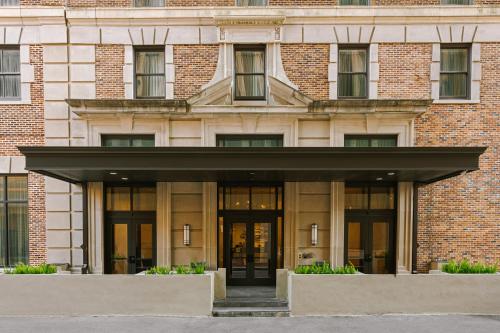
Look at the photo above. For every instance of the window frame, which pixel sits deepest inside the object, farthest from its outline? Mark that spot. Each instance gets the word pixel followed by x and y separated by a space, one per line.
pixel 3 4
pixel 4 74
pixel 250 137
pixel 130 137
pixel 364 47
pixel 367 4
pixel 149 49
pixel 5 201
pixel 159 6
pixel 370 138
pixel 467 47
pixel 237 5
pixel 249 47
pixel 443 2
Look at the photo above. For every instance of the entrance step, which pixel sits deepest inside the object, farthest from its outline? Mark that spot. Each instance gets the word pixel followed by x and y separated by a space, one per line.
pixel 240 311
pixel 246 302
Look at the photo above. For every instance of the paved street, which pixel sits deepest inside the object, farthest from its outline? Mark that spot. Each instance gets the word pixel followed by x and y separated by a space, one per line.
pixel 365 324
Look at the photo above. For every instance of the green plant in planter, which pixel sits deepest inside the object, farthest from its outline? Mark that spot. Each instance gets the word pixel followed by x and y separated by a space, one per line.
pixel 198 267
pixel 158 270
pixel 27 269
pixel 465 267
pixel 183 269
pixel 325 268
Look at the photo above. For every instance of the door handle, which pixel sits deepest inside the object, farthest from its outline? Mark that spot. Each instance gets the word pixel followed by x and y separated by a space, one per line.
pixel 131 259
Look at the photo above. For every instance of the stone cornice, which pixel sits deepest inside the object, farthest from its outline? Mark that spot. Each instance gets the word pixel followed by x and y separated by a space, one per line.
pixel 293 15
pixel 249 20
pixel 31 15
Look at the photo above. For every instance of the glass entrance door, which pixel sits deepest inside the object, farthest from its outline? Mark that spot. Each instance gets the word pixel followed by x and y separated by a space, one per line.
pixel 130 229
pixel 249 251
pixel 369 243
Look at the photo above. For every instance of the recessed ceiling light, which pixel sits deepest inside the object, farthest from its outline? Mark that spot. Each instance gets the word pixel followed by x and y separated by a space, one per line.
pixel 391 173
pixel 124 178
pixel 380 178
pixel 113 173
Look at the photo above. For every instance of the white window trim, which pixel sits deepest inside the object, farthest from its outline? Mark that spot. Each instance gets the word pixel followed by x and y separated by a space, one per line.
pixel 373 71
pixel 27 77
pixel 474 76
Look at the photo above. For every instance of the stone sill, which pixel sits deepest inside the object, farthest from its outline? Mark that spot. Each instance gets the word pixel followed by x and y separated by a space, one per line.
pixel 456 101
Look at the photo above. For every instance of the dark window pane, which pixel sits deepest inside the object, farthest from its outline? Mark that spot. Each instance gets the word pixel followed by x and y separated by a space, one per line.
pixel 150 86
pixel 356 198
pixel 3 236
pixel 9 2
pixel 456 2
pixel 249 62
pixel 249 141
pixel 453 85
pixel 120 140
pixel 352 85
pixel 264 197
pixel 144 199
pixel 149 3
pixel 17 188
pixel 352 61
pixel 384 142
pixel 237 198
pixel 251 2
pixel 382 197
pixel 354 2
pixel 2 186
pixel 370 141
pixel 250 86
pixel 454 60
pixel 143 142
pixel 18 232
pixel 150 62
pixel 118 199
pixel 357 142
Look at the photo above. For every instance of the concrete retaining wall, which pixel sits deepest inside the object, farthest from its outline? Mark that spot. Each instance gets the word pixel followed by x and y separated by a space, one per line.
pixel 181 295
pixel 380 294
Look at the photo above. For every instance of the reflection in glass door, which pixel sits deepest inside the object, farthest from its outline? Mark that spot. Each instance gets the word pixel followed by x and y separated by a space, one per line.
pixel 239 265
pixel 262 250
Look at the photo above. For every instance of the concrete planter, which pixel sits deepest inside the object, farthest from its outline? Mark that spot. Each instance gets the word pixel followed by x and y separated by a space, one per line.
pixel 381 294
pixel 179 295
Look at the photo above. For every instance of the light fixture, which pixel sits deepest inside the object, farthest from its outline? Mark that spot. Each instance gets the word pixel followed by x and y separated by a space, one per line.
pixel 124 178
pixel 391 173
pixel 314 234
pixel 113 173
pixel 380 178
pixel 187 234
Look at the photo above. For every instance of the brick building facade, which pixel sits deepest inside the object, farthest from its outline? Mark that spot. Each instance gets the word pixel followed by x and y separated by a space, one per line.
pixel 82 78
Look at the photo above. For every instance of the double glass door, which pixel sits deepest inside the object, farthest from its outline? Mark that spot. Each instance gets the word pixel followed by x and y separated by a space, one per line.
pixel 250 256
pixel 369 244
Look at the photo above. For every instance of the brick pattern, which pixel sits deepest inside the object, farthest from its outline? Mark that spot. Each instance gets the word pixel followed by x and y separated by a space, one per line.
pixel 194 66
pixel 404 71
pixel 41 2
pixel 100 3
pixel 306 65
pixel 458 218
pixel 23 125
pixel 109 71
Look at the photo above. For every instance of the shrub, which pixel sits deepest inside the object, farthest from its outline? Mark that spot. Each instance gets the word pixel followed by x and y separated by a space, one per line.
pixel 158 270
pixel 198 267
pixel 325 268
pixel 183 269
pixel 27 269
pixel 465 267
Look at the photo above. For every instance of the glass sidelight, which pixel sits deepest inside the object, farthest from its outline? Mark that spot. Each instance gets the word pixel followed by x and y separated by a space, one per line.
pixel 239 265
pixel 130 229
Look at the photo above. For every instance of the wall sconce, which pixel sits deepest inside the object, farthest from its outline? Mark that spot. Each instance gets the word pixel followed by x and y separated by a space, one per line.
pixel 314 234
pixel 187 234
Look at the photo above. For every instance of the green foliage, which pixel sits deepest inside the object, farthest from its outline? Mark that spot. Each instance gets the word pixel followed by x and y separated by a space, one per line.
pixel 198 267
pixel 27 269
pixel 465 267
pixel 183 269
pixel 325 268
pixel 158 270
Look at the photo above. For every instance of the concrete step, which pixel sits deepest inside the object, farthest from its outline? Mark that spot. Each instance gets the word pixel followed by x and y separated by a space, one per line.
pixel 251 312
pixel 251 302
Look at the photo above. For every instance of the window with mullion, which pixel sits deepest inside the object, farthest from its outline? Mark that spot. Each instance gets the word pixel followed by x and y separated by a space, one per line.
pixel 354 2
pixel 454 72
pixel 125 140
pixel 457 2
pixel 149 3
pixel 352 73
pixel 10 73
pixel 244 3
pixel 250 73
pixel 13 220
pixel 150 73
pixel 9 2
pixel 361 141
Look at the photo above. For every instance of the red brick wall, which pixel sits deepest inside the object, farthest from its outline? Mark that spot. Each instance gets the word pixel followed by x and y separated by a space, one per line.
pixel 23 125
pixel 194 66
pixel 404 71
pixel 459 218
pixel 306 65
pixel 100 3
pixel 109 71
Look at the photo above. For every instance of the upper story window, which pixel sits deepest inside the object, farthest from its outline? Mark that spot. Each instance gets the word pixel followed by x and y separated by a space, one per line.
pixel 9 2
pixel 251 3
pixel 454 72
pixel 13 220
pixel 150 73
pixel 250 72
pixel 370 141
pixel 10 73
pixel 243 140
pixel 353 72
pixel 354 2
pixel 125 140
pixel 457 2
pixel 149 3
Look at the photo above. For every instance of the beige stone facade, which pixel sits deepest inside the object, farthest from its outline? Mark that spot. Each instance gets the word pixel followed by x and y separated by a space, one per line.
pixel 80 52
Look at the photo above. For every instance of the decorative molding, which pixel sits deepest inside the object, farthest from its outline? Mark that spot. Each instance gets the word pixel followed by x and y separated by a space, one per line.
pixel 249 20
